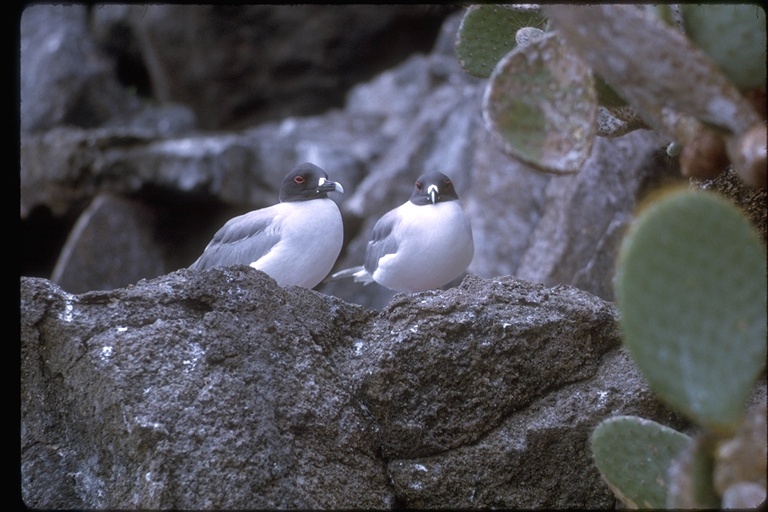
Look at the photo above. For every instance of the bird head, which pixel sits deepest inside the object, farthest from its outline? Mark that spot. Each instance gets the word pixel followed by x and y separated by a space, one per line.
pixel 307 181
pixel 433 187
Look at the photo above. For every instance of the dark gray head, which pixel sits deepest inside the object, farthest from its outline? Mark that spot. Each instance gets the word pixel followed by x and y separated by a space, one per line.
pixel 307 181
pixel 433 187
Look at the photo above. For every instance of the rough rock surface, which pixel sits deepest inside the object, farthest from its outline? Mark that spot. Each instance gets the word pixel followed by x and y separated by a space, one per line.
pixel 197 390
pixel 218 389
pixel 493 347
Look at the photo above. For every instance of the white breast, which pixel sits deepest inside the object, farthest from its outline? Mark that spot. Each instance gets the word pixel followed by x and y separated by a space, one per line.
pixel 311 235
pixel 436 247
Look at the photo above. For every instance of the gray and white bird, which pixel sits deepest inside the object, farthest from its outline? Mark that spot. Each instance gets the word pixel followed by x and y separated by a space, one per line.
pixel 295 241
pixel 422 244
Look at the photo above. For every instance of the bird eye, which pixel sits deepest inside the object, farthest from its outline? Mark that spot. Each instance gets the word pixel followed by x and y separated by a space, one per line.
pixel 419 185
pixel 299 180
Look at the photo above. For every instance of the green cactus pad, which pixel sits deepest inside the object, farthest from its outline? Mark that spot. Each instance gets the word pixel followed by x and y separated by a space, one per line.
pixel 633 455
pixel 541 104
pixel 487 33
pixel 734 36
pixel 691 290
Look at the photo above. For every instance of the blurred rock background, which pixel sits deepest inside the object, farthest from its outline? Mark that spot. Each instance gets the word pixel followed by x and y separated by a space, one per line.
pixel 104 88
pixel 144 128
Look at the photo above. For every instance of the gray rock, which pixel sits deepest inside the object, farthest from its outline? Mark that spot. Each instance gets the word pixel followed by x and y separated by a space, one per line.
pixel 64 78
pixel 511 466
pixel 219 389
pixel 577 239
pixel 239 65
pixel 476 353
pixel 196 391
pixel 110 226
pixel 505 204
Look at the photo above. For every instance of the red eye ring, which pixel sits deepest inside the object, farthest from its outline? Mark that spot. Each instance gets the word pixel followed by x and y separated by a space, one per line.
pixel 419 186
pixel 299 180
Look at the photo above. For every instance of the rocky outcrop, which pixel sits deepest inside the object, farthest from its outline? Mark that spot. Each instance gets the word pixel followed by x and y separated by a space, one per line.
pixel 219 389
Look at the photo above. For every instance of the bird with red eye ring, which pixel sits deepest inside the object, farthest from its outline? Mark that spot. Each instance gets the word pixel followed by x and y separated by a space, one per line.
pixel 295 241
pixel 422 244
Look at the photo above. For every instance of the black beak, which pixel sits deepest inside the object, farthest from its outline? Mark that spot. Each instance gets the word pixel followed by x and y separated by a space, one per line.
pixel 329 186
pixel 433 192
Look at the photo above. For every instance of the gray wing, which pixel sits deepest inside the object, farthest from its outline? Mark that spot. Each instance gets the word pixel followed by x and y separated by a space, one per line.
pixel 381 242
pixel 242 240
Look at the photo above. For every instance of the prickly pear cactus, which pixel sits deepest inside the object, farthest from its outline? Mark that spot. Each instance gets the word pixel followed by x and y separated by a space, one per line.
pixel 633 455
pixel 691 291
pixel 487 33
pixel 697 91
pixel 652 65
pixel 690 288
pixel 541 104
pixel 734 37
